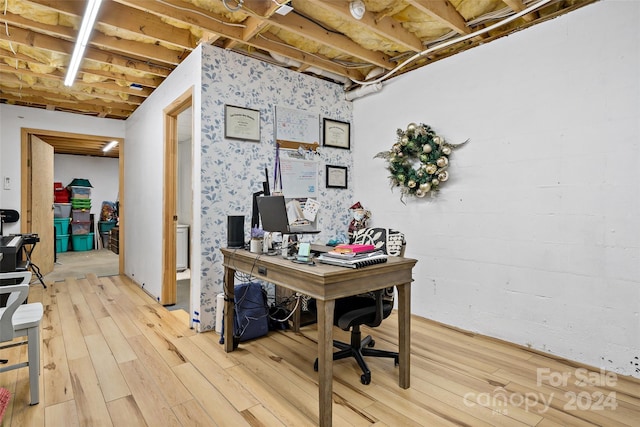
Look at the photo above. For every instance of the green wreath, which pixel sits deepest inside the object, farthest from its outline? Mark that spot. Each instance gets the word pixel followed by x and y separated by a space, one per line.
pixel 418 161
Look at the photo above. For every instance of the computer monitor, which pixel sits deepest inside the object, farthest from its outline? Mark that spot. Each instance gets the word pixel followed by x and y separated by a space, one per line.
pixel 273 212
pixel 255 216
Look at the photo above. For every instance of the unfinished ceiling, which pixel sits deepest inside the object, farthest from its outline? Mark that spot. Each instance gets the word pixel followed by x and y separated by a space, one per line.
pixel 137 43
pixel 77 144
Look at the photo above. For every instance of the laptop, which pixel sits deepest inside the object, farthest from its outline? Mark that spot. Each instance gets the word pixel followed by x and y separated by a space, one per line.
pixel 273 212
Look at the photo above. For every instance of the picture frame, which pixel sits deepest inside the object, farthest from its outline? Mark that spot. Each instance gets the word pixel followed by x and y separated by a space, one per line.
pixel 336 176
pixel 336 134
pixel 241 123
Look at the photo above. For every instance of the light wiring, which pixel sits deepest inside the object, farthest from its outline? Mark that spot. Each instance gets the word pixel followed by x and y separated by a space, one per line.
pixel 295 48
pixel 186 9
pixel 6 29
pixel 295 308
pixel 453 41
pixel 249 277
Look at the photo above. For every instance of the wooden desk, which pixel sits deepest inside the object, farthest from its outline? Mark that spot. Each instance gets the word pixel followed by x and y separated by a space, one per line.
pixel 325 283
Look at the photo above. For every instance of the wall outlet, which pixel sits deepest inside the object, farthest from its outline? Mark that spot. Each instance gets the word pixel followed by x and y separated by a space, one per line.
pixel 7 183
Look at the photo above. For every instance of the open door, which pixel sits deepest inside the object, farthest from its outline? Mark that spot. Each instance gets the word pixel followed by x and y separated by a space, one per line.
pixel 169 291
pixel 37 206
pixel 37 175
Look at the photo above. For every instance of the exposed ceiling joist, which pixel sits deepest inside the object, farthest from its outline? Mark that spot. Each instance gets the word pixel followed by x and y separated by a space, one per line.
pixel 136 44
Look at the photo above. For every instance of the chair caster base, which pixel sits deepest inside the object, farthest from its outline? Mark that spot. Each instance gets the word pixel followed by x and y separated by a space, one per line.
pixel 365 379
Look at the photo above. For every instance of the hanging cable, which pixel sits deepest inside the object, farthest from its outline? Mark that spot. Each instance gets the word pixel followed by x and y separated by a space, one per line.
pixel 453 41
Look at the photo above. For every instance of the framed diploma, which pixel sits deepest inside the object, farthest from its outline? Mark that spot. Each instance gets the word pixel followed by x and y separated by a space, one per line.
pixel 336 176
pixel 241 123
pixel 336 134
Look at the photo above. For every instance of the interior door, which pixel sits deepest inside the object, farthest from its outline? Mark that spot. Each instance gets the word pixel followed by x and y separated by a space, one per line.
pixel 170 214
pixel 40 212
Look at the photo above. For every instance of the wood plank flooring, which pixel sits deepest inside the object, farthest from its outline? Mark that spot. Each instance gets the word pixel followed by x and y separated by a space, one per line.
pixel 111 356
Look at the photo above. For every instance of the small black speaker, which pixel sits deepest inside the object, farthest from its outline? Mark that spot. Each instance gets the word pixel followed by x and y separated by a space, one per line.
pixel 235 231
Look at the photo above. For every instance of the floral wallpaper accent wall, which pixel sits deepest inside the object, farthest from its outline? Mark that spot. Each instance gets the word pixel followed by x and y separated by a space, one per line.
pixel 231 170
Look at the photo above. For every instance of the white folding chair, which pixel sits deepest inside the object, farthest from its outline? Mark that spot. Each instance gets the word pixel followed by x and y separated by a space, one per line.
pixel 22 320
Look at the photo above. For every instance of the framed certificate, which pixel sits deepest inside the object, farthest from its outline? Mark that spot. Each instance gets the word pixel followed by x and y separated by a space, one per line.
pixel 241 123
pixel 336 134
pixel 336 176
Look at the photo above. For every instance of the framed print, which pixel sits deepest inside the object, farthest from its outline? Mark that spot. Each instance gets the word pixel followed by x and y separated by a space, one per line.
pixel 336 176
pixel 336 134
pixel 241 123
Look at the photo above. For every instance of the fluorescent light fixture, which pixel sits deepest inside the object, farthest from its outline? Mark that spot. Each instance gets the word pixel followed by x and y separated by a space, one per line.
pixel 109 146
pixel 89 18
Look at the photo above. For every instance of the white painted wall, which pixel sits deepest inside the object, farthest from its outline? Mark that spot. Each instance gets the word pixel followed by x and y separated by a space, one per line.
pixel 144 176
pixel 102 173
pixel 535 238
pixel 13 119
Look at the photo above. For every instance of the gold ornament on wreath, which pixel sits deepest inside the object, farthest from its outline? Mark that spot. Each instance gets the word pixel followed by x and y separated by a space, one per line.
pixel 418 161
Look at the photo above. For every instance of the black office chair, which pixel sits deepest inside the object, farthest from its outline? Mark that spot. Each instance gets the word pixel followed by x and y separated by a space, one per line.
pixel 367 309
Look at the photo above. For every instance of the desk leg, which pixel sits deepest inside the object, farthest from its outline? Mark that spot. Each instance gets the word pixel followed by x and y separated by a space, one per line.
pixel 404 334
pixel 228 308
pixel 325 360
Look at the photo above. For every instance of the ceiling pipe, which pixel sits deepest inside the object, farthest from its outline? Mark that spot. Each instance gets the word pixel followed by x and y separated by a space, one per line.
pixel 285 60
pixel 362 91
pixel 315 70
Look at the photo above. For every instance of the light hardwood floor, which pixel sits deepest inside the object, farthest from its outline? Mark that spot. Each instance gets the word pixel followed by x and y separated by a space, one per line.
pixel 113 356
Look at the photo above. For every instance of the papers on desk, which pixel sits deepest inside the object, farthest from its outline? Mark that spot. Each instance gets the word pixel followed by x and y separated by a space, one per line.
pixel 352 260
pixel 354 248
pixel 310 210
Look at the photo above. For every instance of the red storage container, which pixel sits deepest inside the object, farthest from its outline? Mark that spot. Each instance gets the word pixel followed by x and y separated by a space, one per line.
pixel 61 195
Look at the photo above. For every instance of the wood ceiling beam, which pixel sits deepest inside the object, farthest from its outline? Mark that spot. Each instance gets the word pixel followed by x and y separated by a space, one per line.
pixel 270 43
pixel 518 6
pixel 75 91
pixel 444 12
pixel 92 145
pixel 309 30
pixel 208 38
pixel 122 17
pixel 386 26
pixel 189 14
pixel 52 44
pixel 84 107
pixel 235 33
pixel 148 82
pixel 127 78
pixel 80 147
pixel 253 26
pixel 59 76
pixel 143 51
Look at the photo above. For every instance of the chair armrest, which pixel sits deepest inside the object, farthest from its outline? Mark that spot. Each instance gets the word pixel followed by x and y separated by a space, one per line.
pixel 24 275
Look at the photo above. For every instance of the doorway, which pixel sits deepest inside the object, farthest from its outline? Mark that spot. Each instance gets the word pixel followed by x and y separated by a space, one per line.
pixel 184 204
pixel 178 200
pixel 35 193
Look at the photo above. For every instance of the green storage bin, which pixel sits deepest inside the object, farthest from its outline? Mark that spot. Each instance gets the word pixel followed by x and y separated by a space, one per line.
pixel 62 243
pixel 61 225
pixel 81 203
pixel 82 242
pixel 106 226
